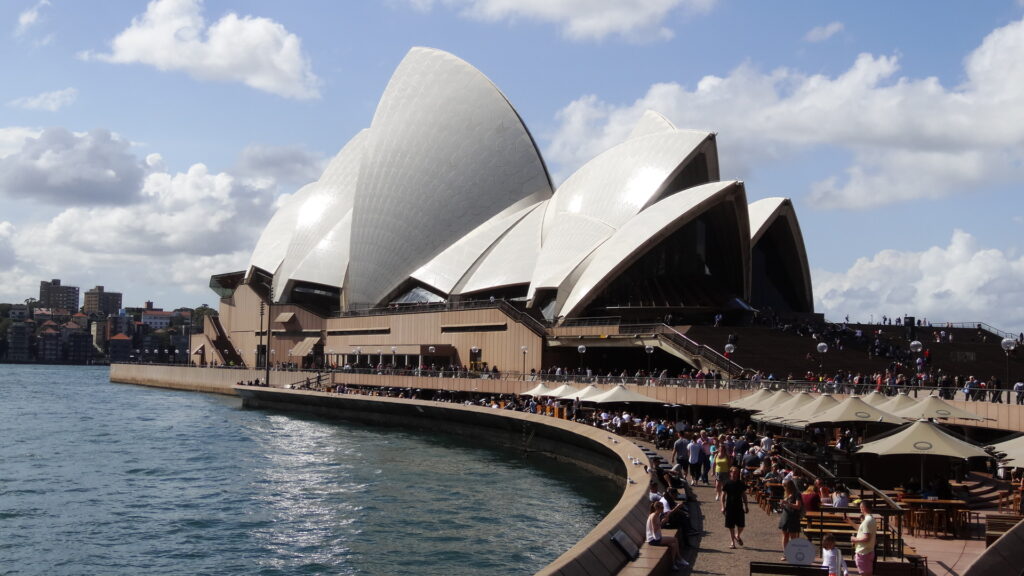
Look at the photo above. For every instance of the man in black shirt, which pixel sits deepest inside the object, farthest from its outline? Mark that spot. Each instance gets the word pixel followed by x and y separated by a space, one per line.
pixel 735 506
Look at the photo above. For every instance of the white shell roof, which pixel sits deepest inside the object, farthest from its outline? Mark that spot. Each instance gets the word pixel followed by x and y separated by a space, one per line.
pixel 642 233
pixel 651 123
pixel 322 208
pixel 273 243
pixel 763 214
pixel 447 187
pixel 446 153
pixel 605 193
pixel 511 260
pixel 448 267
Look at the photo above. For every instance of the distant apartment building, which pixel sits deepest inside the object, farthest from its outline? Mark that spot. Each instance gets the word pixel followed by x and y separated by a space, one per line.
pixel 99 301
pixel 77 349
pixel 58 315
pixel 18 312
pixel 48 346
pixel 53 295
pixel 157 319
pixel 19 341
pixel 120 349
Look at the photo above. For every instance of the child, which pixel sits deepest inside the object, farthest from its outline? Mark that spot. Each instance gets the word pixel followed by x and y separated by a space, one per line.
pixel 832 557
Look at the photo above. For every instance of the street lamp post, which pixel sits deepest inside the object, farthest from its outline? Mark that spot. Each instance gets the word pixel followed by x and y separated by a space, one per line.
pixel 649 350
pixel 916 347
pixel 1008 345
pixel 582 350
pixel 822 349
pixel 524 350
pixel 730 349
pixel 257 361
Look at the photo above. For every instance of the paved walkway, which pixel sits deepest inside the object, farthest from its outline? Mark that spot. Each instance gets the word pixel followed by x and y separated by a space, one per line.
pixel 710 552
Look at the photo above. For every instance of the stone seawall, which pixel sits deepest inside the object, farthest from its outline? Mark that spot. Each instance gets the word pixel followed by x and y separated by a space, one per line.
pixel 594 449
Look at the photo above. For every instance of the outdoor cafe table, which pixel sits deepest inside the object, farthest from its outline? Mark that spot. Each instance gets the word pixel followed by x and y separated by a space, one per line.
pixel 947 507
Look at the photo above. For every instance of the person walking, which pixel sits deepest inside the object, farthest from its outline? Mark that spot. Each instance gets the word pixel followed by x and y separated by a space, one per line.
pixel 735 506
pixel 720 465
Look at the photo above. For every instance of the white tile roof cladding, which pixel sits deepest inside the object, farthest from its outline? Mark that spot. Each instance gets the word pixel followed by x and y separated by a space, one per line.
pixel 447 187
pixel 447 152
pixel 325 206
pixel 638 235
pixel 604 194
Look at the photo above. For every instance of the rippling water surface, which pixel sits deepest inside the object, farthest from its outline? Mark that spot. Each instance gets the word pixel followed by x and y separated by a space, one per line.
pixel 101 478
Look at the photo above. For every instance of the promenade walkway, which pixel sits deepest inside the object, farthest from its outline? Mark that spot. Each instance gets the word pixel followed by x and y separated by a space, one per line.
pixel 710 553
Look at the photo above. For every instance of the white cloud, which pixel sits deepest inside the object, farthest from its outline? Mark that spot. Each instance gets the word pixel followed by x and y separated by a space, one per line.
pixel 908 138
pixel 259 52
pixel 59 167
pixel 173 232
pixel 290 167
pixel 13 139
pixel 581 19
pixel 48 101
pixel 961 282
pixel 30 17
pixel 822 33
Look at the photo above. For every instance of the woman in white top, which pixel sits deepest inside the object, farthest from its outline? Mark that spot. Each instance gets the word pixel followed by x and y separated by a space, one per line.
pixel 654 537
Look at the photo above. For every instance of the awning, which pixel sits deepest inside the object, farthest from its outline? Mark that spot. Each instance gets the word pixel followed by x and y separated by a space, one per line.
pixel 199 349
pixel 285 317
pixel 305 347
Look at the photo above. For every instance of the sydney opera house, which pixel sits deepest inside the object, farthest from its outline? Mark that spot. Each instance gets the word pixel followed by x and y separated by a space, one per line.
pixel 436 236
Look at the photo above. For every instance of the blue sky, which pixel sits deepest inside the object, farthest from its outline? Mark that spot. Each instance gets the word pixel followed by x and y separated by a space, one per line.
pixel 144 146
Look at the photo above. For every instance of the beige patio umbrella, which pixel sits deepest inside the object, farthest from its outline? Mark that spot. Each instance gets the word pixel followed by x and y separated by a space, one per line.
pixel 777 397
pixel 622 394
pixel 799 417
pixel 563 390
pixel 935 407
pixel 538 390
pixel 1014 450
pixel 853 409
pixel 923 437
pixel 749 402
pixel 897 403
pixel 585 394
pixel 780 411
pixel 875 398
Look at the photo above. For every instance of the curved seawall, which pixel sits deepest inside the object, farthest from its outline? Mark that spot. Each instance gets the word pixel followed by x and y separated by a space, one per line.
pixel 594 449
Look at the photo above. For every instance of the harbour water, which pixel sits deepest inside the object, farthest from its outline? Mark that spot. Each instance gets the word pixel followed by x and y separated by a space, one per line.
pixel 102 478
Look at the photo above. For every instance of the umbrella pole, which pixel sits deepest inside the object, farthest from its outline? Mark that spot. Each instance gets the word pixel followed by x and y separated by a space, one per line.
pixel 920 481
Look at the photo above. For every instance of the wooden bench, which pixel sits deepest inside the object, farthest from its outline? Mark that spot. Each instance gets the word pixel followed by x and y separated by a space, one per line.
pixel 757 568
pixel 652 560
pixel 998 524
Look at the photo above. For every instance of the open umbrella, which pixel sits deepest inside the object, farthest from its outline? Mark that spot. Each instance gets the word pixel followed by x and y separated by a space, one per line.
pixel 538 390
pixel 897 403
pixel 875 398
pixel 563 390
pixel 923 437
pixel 622 394
pixel 777 398
pixel 853 409
pixel 1014 450
pixel 799 417
pixel 780 411
pixel 935 407
pixel 586 394
pixel 748 402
